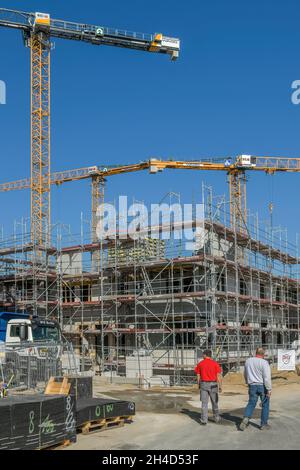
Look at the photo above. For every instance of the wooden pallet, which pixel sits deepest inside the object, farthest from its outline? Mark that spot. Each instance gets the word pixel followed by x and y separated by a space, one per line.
pixel 102 424
pixel 58 446
pixel 57 388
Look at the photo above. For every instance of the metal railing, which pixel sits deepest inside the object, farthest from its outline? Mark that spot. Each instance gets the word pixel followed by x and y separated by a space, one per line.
pixel 30 366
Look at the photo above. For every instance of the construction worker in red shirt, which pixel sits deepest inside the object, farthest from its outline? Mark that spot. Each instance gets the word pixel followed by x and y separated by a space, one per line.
pixel 209 378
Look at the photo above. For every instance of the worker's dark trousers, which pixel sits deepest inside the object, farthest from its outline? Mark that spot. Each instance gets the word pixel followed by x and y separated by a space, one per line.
pixel 209 390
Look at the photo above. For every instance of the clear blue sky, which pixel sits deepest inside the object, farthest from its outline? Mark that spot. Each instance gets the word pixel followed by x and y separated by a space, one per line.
pixel 229 93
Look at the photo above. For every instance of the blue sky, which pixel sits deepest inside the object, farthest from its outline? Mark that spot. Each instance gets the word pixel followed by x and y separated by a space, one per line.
pixel 229 93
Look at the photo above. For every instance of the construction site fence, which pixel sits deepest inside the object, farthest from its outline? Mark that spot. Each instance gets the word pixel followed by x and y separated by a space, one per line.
pixel 166 365
pixel 30 366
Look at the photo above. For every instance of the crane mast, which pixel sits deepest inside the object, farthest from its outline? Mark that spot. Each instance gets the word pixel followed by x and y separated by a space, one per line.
pixel 238 200
pixel 38 29
pixel 40 47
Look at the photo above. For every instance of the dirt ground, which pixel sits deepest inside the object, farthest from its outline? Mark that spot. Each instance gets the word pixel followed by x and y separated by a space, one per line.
pixel 168 419
pixel 278 378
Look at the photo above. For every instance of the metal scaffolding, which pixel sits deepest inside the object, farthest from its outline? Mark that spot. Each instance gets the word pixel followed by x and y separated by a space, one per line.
pixel 151 297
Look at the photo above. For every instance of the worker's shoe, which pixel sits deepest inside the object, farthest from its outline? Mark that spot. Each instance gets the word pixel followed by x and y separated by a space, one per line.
pixel 217 419
pixel 244 424
pixel 203 422
pixel 265 427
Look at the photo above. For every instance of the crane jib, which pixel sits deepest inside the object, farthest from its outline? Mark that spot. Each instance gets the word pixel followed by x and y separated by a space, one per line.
pixel 94 34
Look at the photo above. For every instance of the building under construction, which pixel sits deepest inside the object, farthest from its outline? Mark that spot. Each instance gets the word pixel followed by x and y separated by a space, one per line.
pixel 152 301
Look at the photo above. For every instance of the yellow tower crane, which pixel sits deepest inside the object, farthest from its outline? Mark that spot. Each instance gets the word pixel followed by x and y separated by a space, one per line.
pixel 37 29
pixel 236 169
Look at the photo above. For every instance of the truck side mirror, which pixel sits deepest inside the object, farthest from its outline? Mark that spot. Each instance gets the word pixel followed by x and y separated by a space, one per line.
pixel 23 333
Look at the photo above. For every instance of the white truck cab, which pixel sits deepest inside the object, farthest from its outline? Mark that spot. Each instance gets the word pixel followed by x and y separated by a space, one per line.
pixel 18 331
pixel 31 348
pixel 31 331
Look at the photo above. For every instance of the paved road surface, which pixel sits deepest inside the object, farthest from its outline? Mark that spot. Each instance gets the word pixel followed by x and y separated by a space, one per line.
pixel 181 430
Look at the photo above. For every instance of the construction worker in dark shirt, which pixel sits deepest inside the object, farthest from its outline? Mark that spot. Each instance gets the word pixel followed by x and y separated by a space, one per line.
pixel 209 378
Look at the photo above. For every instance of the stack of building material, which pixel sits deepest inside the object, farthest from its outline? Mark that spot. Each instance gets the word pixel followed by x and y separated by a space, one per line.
pixel 100 413
pixel 140 367
pixel 136 250
pixel 43 421
pixel 81 386
pixel 37 421
pixel 92 413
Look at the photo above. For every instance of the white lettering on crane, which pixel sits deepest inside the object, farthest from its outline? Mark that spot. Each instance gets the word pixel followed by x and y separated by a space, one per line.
pixel 2 92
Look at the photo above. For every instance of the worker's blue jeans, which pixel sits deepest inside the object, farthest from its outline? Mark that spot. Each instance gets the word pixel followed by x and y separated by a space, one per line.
pixel 255 392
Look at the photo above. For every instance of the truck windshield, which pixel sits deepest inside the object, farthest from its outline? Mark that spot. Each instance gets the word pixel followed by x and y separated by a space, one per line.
pixel 45 333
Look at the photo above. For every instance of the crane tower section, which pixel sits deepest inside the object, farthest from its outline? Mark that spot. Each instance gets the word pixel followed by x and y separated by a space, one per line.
pixel 40 46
